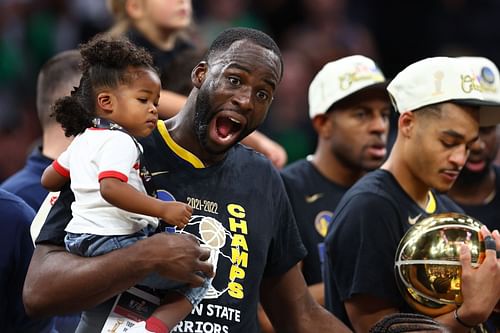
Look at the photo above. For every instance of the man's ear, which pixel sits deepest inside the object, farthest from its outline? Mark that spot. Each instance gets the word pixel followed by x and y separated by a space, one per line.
pixel 134 9
pixel 105 101
pixel 323 125
pixel 406 123
pixel 198 74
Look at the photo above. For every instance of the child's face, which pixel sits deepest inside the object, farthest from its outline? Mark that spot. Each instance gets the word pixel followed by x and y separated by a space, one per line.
pixel 136 103
pixel 168 14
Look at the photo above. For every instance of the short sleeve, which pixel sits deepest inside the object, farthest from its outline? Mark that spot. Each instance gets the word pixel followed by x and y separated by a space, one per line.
pixel 117 155
pixel 360 248
pixel 286 248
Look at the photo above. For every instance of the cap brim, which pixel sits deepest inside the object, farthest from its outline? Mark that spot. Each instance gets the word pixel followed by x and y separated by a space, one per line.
pixel 382 86
pixel 489 111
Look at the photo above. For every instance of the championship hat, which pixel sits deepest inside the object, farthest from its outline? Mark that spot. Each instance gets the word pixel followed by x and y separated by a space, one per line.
pixel 473 81
pixel 341 78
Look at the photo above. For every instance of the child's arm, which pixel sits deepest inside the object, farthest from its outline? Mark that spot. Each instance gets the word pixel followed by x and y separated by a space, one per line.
pixel 126 197
pixel 52 180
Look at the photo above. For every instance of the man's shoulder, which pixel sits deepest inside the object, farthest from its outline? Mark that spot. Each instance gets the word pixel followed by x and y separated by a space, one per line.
pixel 296 168
pixel 13 206
pixel 242 154
pixel 379 182
pixel 375 189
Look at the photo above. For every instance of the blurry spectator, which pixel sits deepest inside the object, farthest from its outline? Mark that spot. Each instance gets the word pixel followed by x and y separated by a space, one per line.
pixel 222 14
pixel 287 122
pixel 17 249
pixel 56 79
pixel 328 32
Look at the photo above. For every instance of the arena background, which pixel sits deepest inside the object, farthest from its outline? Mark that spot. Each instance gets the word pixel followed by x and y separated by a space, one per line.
pixel 309 32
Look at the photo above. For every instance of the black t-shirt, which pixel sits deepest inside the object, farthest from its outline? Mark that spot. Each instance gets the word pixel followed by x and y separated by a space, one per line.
pixel 488 213
pixel 313 198
pixel 241 212
pixel 361 244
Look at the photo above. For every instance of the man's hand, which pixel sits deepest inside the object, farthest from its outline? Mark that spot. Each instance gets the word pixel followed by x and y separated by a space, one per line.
pixel 480 285
pixel 177 257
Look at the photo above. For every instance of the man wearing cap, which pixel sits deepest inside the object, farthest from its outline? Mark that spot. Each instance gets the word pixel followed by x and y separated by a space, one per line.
pixel 349 109
pixel 441 102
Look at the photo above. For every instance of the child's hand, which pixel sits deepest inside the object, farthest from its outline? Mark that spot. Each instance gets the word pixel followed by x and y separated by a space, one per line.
pixel 176 213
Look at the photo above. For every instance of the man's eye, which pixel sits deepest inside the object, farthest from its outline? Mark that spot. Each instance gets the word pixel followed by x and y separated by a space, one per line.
pixel 448 144
pixel 360 113
pixel 234 80
pixel 262 95
pixel 143 100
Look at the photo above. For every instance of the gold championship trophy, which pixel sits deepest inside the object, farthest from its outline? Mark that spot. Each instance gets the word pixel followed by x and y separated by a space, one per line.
pixel 427 263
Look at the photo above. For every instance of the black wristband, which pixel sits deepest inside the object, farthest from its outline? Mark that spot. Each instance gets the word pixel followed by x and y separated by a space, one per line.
pixel 460 321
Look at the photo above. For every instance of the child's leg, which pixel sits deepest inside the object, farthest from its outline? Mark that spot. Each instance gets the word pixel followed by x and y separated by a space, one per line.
pixel 175 307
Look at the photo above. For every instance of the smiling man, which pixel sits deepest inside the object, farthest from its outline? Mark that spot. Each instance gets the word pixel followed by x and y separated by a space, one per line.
pixel 241 213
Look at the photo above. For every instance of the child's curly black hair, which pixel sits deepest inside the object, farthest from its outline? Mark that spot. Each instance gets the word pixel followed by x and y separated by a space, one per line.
pixel 105 63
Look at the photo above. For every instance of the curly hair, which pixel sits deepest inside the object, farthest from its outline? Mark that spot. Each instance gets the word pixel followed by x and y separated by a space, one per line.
pixel 105 64
pixel 407 322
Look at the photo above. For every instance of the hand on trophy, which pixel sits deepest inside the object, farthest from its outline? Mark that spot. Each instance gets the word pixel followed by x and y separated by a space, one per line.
pixel 480 286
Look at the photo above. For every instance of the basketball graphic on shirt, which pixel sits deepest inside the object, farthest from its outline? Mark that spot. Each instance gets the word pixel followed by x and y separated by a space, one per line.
pixel 212 233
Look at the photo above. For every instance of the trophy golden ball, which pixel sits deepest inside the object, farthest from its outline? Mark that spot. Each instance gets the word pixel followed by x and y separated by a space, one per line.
pixel 427 262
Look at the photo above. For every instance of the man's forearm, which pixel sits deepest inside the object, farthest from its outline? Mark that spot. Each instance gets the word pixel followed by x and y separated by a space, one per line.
pixel 59 282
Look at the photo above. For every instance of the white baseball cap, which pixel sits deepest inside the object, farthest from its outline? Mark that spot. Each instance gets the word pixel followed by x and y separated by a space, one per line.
pixel 464 80
pixel 341 78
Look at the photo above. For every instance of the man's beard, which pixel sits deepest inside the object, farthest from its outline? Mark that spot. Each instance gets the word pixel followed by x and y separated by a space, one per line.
pixel 201 122
pixel 470 178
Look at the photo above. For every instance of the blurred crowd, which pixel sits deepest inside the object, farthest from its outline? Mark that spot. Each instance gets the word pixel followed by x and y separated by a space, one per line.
pixel 309 33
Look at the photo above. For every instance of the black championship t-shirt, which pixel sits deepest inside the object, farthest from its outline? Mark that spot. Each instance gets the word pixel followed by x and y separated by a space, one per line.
pixel 313 198
pixel 242 213
pixel 361 244
pixel 489 212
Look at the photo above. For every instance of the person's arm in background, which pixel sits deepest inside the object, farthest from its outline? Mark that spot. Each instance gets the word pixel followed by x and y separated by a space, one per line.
pixel 291 308
pixel 170 103
pixel 59 282
pixel 271 149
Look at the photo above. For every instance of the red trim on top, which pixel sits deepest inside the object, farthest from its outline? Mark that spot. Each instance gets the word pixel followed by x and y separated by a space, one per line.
pixel 113 174
pixel 60 169
pixel 97 129
pixel 136 166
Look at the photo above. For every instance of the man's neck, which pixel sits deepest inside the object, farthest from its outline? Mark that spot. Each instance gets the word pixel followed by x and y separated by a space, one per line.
pixel 334 170
pixel 54 142
pixel 182 133
pixel 412 185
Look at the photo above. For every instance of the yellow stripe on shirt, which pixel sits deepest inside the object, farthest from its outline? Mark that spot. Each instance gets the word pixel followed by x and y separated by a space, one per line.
pixel 178 150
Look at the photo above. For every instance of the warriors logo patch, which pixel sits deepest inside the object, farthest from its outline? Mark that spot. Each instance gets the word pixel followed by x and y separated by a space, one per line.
pixel 322 221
